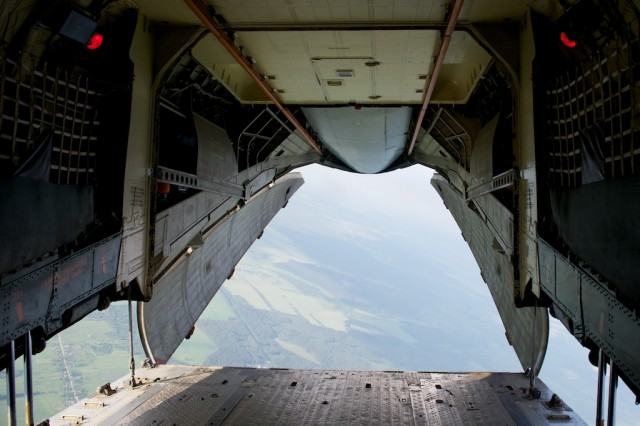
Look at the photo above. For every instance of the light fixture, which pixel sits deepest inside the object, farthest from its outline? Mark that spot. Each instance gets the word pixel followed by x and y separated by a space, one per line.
pixel 95 41
pixel 344 73
pixel 564 38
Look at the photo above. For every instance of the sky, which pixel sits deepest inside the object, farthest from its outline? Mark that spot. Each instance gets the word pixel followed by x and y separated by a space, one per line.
pixel 377 264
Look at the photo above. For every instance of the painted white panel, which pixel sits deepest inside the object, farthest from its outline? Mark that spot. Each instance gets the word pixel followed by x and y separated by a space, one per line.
pixel 368 139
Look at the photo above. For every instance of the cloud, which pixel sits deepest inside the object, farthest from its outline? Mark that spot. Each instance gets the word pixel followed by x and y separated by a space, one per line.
pixel 404 195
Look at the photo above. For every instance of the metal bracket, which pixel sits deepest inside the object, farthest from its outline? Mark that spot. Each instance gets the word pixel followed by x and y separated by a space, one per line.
pixel 503 180
pixel 176 177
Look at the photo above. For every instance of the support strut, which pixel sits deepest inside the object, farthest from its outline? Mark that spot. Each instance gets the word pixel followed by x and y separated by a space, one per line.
pixel 613 388
pixel 132 361
pixel 11 383
pixel 602 370
pixel 28 380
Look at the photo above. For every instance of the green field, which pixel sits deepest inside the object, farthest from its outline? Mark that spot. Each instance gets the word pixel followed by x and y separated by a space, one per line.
pixel 90 353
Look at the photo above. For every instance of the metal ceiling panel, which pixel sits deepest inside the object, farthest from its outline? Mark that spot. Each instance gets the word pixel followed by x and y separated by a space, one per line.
pixel 165 11
pixel 302 65
pixel 493 10
pixel 463 49
pixel 299 64
pixel 334 11
pixel 215 58
pixel 296 11
pixel 465 63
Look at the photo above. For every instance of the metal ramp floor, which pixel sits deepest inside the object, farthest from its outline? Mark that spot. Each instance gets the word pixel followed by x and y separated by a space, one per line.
pixel 185 395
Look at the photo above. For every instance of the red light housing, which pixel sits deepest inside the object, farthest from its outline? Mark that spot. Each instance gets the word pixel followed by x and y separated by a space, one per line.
pixel 564 38
pixel 95 41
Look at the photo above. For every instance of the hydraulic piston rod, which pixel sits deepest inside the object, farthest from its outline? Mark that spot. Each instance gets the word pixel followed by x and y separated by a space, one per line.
pixel 11 383
pixel 28 381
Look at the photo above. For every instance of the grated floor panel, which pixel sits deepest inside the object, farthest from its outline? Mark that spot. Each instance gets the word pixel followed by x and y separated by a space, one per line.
pixel 183 395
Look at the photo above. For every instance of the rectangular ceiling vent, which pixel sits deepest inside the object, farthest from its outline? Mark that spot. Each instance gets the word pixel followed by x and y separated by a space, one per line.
pixel 334 83
pixel 344 73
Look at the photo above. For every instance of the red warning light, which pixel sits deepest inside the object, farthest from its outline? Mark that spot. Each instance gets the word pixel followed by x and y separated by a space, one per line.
pixel 95 41
pixel 564 38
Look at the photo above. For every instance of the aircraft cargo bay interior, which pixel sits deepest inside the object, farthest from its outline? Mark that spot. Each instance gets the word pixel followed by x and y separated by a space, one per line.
pixel 145 145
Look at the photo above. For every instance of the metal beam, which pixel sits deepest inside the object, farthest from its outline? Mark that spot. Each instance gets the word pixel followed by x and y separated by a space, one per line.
pixel 503 180
pixel 176 177
pixel 433 77
pixel 202 12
